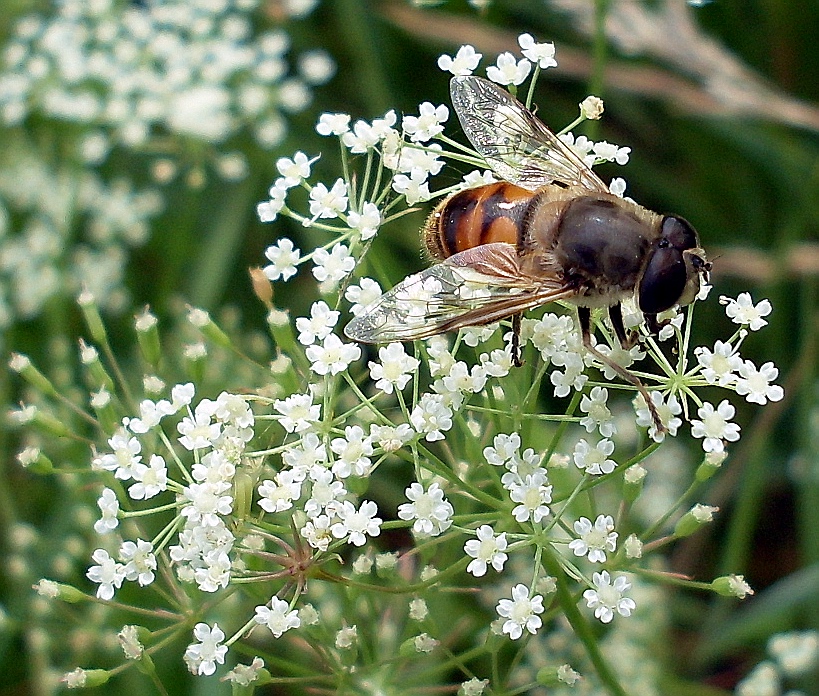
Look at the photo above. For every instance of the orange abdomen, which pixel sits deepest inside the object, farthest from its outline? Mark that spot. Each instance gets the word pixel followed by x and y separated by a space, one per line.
pixel 491 213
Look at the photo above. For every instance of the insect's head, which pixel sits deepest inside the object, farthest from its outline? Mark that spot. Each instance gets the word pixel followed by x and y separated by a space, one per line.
pixel 675 267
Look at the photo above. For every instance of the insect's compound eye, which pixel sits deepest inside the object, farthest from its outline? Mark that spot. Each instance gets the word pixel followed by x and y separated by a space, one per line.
pixel 663 281
pixel 678 233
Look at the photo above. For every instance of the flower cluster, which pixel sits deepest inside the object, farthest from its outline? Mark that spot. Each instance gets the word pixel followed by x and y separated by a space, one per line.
pixel 76 231
pixel 271 497
pixel 128 72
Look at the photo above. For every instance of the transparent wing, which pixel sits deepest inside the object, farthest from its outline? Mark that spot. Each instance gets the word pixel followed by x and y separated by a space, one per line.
pixel 514 142
pixel 474 287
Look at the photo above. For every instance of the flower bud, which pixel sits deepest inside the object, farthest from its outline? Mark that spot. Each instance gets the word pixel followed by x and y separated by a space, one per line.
pixel 732 586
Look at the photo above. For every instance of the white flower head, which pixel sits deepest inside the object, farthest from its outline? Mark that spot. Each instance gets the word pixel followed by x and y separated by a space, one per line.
pixel 431 512
pixel 521 612
pixel 332 355
pixel 332 266
pixel 755 384
pixel 202 657
pixel 508 70
pixel 541 53
pixel 395 369
pixel 594 459
pixel 427 124
pixel 356 524
pixel 487 549
pixel 608 597
pixel 594 540
pixel 278 617
pixel 464 63
pixel 283 257
pixel 714 426
pixel 743 311
pixel 367 221
pixel 328 203
pixel 319 325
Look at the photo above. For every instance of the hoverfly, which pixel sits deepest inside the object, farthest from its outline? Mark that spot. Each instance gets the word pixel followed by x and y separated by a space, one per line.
pixel 549 230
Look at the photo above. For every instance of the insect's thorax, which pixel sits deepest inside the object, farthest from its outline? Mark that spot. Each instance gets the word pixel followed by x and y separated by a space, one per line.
pixel 492 213
pixel 600 243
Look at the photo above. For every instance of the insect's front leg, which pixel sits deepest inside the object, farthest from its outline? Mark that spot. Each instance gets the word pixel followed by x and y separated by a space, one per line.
pixel 584 315
pixel 517 360
pixel 628 339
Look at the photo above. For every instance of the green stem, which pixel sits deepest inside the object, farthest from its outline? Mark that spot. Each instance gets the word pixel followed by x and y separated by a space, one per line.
pixel 581 626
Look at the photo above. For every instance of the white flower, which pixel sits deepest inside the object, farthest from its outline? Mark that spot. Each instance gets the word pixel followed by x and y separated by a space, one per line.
pixel 427 124
pixel 609 152
pixel 504 448
pixel 464 62
pixel 430 510
pixel 608 597
pixel 533 494
pixel 541 53
pixel 283 257
pixel 328 203
pixel 618 186
pixel 367 221
pixel 391 438
pixel 395 369
pixel 431 416
pixel 108 574
pixel 317 532
pixel 594 540
pixel 332 356
pixel 305 454
pixel 763 679
pixel 796 652
pixel 599 416
pixel 245 675
pixel 667 410
pixel 743 311
pixel 298 412
pixel 333 124
pixel 520 612
pixel 356 524
pixel 139 560
pixel 294 170
pixel 362 295
pixel 109 507
pixel 269 210
pixel 150 480
pixel 365 135
pixel 755 384
pixel 319 325
pixel 278 495
pixel 332 266
pixel 594 459
pixel 126 454
pixel 487 549
pixel 278 617
pixel 714 425
pixel 592 109
pixel 719 366
pixel 198 432
pixel 207 503
pixel 508 71
pixel 414 187
pixel 353 450
pixel 202 657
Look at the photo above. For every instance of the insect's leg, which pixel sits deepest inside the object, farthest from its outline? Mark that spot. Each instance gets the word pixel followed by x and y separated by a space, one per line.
pixel 584 315
pixel 517 360
pixel 627 338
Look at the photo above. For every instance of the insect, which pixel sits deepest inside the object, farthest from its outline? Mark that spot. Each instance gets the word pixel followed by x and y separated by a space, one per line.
pixel 549 230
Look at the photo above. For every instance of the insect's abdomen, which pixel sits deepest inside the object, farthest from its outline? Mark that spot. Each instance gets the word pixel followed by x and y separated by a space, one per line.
pixel 491 213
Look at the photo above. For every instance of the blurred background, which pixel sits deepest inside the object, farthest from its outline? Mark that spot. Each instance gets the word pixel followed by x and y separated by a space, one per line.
pixel 137 137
